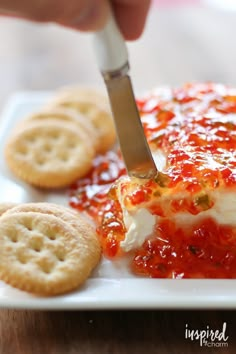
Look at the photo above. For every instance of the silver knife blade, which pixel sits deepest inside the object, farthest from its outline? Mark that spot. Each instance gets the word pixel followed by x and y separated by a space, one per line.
pixel 133 144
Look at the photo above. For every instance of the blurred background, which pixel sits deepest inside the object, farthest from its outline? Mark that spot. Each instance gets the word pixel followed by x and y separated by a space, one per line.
pixel 184 40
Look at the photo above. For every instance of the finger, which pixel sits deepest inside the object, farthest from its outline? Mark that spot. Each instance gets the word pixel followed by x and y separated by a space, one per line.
pixel 131 16
pixel 84 15
pixel 92 16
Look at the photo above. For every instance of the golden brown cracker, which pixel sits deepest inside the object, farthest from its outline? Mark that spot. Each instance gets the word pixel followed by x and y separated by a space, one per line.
pixel 84 92
pixel 49 154
pixel 82 226
pixel 65 115
pixel 42 254
pixel 6 206
pixel 94 106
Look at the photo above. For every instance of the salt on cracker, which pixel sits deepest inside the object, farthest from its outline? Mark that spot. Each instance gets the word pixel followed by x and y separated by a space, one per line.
pixel 49 154
pixel 42 254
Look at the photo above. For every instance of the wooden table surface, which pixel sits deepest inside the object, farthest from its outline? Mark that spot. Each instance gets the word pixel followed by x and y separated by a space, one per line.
pixel 179 45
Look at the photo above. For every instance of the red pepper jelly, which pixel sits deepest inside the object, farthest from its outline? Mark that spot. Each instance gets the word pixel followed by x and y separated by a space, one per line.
pixel 193 198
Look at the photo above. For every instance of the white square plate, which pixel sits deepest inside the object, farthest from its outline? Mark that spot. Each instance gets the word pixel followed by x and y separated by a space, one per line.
pixel 111 286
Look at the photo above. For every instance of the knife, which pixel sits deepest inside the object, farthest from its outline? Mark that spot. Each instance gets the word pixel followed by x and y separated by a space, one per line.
pixel 112 56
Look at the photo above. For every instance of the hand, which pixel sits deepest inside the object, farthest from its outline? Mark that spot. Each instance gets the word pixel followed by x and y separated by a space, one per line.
pixel 84 15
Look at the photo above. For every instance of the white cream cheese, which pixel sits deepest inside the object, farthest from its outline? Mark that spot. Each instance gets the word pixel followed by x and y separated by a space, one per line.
pixel 223 211
pixel 139 226
pixel 159 159
pixel 140 223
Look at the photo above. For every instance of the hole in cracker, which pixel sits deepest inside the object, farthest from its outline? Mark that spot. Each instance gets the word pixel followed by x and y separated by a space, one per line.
pixel 47 271
pixel 37 249
pixel 55 135
pixel 13 239
pixel 64 157
pixel 12 236
pixel 40 161
pixel 61 257
pixel 71 145
pixel 36 244
pixel 47 148
pixel 21 258
pixel 31 139
pixel 46 268
pixel 52 237
pixel 22 151
pixel 28 225
pixel 97 125
pixel 84 108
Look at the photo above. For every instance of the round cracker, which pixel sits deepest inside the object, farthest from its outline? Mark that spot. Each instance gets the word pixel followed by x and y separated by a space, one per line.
pixel 6 206
pixel 94 106
pixel 73 218
pixel 49 154
pixel 65 115
pixel 83 92
pixel 42 254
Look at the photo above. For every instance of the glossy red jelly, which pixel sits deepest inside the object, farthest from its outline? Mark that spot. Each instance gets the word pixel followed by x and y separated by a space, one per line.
pixel 195 128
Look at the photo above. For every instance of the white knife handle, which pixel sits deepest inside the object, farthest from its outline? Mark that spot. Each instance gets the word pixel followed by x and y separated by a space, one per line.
pixel 110 48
